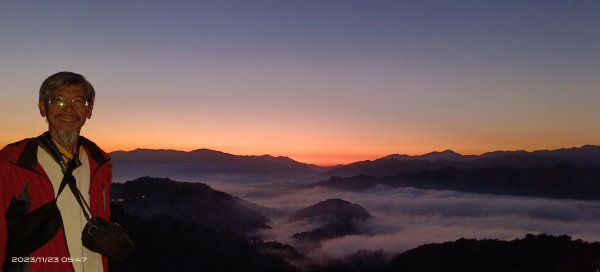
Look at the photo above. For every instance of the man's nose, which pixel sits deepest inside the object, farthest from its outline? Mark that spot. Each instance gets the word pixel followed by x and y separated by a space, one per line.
pixel 68 106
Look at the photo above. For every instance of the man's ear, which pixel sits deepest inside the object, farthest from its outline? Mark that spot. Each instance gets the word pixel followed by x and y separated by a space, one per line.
pixel 42 107
pixel 89 114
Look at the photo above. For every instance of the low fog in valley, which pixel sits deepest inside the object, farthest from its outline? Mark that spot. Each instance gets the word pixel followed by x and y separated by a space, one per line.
pixel 404 218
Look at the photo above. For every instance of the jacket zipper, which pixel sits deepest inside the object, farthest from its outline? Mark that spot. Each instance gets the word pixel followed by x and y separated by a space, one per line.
pixel 101 185
pixel 103 198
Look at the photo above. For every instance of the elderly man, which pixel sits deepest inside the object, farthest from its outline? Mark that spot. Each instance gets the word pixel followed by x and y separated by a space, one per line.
pixel 40 231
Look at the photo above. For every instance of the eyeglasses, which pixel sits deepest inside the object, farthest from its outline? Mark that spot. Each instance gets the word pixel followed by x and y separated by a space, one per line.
pixel 61 102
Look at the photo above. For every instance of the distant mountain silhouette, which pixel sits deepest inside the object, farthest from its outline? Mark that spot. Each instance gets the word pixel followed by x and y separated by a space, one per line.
pixel 382 168
pixel 561 181
pixel 356 183
pixel 190 202
pixel 211 165
pixel 203 164
pixel 338 216
pixel 587 156
pixel 447 155
pixel 164 243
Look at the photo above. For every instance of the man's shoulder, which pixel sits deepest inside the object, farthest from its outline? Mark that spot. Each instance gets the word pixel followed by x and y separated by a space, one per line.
pixel 10 149
pixel 17 143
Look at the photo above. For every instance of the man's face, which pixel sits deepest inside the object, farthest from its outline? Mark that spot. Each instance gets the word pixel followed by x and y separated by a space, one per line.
pixel 69 119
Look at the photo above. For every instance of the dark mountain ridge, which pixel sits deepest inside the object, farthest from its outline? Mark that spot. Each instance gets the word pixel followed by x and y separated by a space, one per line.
pixel 533 253
pixel 337 218
pixel 206 164
pixel 164 243
pixel 190 202
pixel 561 181
pixel 585 152
pixel 332 210
pixel 587 156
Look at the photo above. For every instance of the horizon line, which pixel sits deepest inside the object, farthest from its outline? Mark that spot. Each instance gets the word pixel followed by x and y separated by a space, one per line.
pixel 376 157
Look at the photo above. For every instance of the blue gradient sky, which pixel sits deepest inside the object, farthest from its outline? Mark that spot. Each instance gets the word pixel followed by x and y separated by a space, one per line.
pixel 319 81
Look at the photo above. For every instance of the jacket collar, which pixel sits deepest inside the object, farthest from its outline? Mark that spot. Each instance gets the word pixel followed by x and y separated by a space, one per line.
pixel 28 157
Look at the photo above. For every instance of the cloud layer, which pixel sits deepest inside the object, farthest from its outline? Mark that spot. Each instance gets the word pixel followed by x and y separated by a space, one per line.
pixel 404 218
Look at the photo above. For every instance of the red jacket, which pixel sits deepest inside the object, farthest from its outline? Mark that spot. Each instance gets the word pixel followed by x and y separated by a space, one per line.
pixel 19 166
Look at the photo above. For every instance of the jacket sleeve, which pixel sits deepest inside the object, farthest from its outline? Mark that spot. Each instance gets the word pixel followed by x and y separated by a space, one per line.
pixel 7 192
pixel 4 199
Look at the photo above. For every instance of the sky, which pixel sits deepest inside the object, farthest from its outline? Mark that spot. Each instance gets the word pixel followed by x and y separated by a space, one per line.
pixel 320 81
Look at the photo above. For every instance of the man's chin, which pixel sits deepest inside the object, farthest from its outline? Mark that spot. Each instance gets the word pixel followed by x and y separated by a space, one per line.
pixel 67 137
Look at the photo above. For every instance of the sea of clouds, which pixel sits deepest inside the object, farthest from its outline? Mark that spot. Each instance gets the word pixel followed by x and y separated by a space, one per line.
pixel 404 218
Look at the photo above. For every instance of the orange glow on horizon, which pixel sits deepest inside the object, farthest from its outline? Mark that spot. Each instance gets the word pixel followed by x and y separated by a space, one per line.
pixel 323 157
pixel 321 147
pixel 333 158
